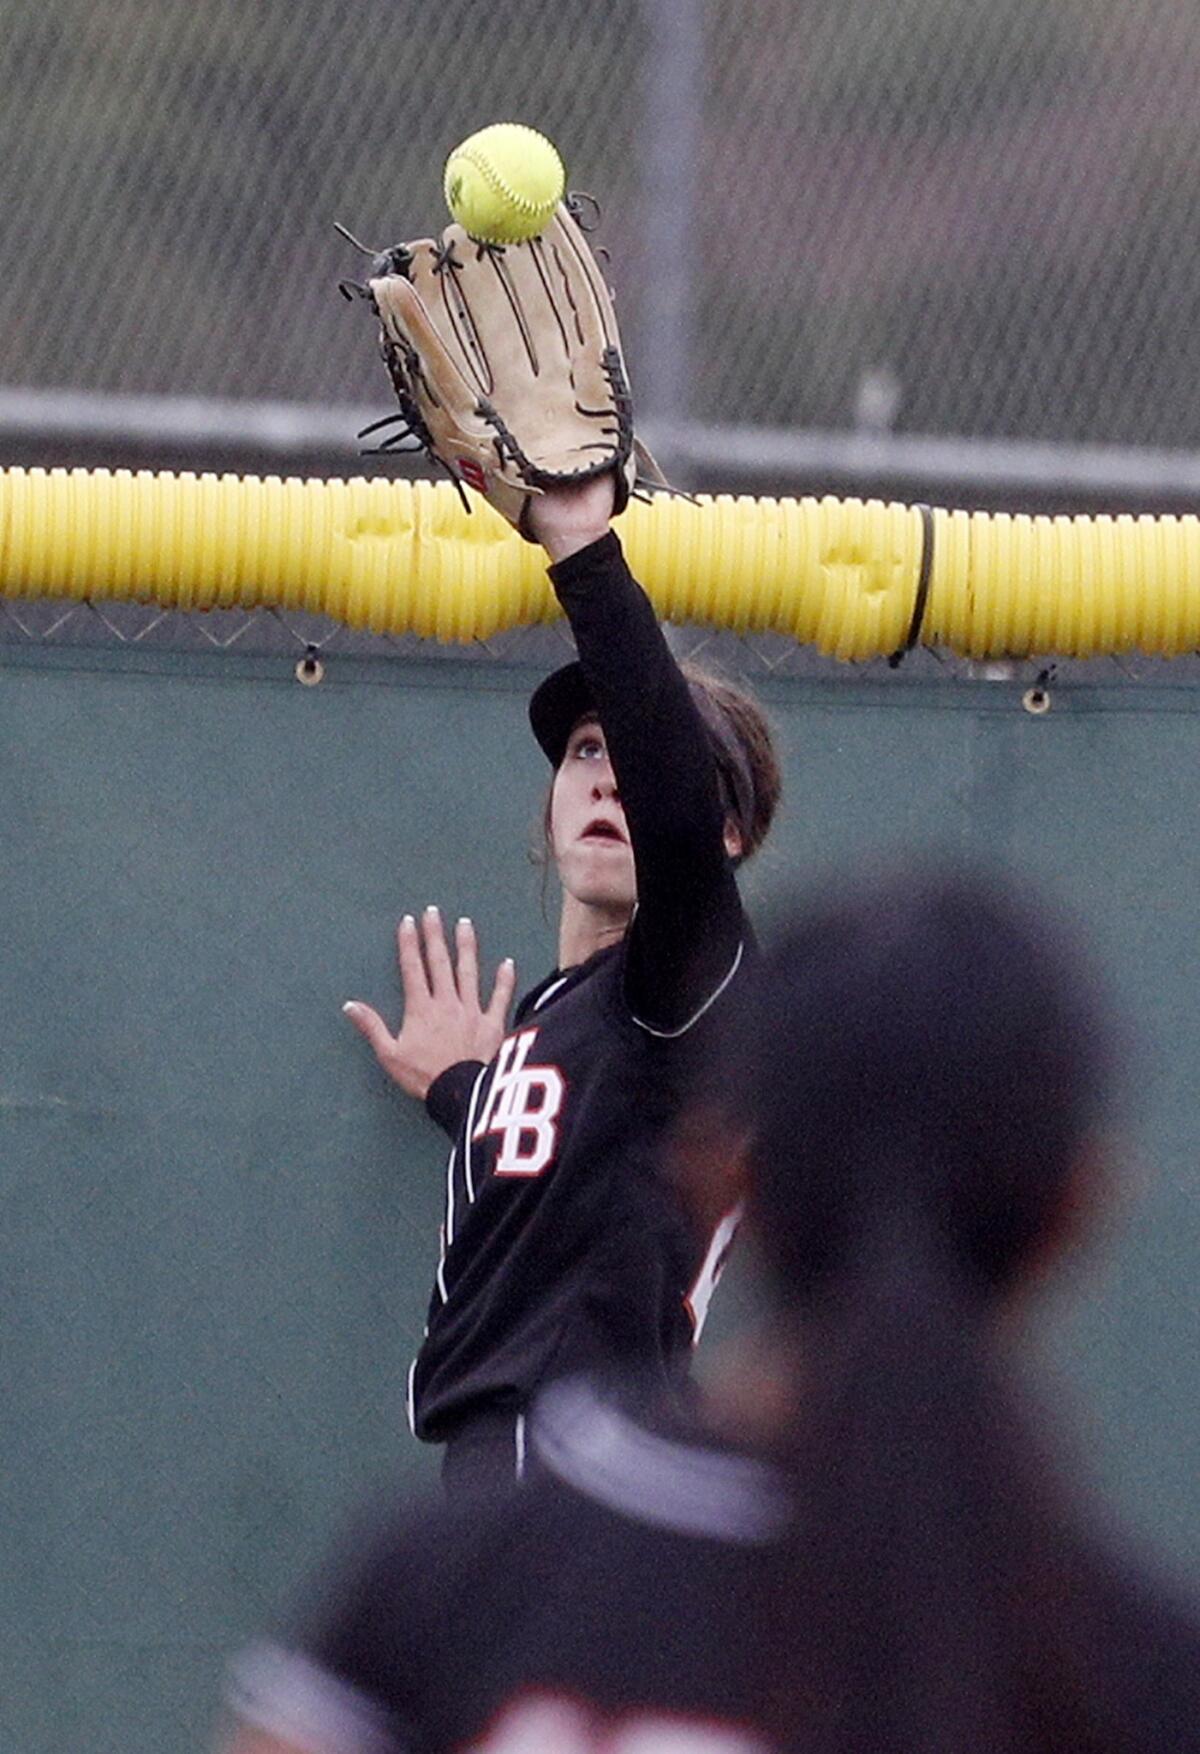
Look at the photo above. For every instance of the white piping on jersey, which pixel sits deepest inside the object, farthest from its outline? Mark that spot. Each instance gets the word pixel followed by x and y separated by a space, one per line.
pixel 448 1226
pixel 550 991
pixel 602 1453
pixel 294 1700
pixel 470 1128
pixel 519 1439
pixel 670 1034
pixel 410 1396
pixel 700 1296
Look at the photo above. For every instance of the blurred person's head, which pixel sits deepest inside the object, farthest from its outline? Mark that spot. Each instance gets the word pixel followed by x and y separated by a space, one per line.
pixel 924 1065
pixel 920 1075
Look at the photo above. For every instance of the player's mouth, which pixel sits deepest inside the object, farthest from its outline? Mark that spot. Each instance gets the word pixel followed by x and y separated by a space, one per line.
pixel 601 829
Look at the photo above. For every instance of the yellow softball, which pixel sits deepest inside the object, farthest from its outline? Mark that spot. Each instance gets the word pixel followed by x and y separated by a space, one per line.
pixel 503 183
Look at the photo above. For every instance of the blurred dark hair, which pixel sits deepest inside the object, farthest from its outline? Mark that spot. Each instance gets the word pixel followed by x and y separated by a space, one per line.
pixel 922 1060
pixel 924 1057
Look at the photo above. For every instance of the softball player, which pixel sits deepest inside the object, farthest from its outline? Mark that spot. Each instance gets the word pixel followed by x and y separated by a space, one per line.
pixel 565 1249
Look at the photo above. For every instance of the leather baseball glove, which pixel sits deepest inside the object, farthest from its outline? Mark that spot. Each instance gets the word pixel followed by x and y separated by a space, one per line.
pixel 506 363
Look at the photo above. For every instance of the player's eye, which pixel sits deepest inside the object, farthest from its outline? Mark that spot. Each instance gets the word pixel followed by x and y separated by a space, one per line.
pixel 588 747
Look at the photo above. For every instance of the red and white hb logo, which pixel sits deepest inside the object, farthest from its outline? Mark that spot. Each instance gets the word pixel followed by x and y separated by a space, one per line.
pixel 522 1106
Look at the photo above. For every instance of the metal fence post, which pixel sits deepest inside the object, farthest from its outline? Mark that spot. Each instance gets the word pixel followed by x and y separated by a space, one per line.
pixel 671 137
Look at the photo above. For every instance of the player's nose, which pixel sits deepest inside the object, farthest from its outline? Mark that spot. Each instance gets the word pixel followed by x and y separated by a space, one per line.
pixel 604 783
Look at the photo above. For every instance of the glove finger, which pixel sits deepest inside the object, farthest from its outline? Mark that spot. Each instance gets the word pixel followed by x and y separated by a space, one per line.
pixel 443 275
pixel 593 326
pixel 519 303
pixel 437 378
pixel 502 313
pixel 548 298
pixel 510 306
pixel 599 380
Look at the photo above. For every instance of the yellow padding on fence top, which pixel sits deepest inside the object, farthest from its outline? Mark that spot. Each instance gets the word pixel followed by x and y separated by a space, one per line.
pixel 406 557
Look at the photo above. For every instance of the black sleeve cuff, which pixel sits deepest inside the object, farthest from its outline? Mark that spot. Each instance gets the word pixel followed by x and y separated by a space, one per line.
pixel 447 1097
pixel 597 557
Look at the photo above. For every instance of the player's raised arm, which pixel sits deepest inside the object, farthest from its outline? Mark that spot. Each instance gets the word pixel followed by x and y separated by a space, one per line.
pixel 692 761
pixel 505 356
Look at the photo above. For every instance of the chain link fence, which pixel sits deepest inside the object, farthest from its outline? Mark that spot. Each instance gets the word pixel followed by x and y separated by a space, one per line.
pixel 969 218
pixel 310 642
pixel 977 217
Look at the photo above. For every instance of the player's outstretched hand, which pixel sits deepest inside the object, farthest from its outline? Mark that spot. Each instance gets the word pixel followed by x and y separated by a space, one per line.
pixel 444 1021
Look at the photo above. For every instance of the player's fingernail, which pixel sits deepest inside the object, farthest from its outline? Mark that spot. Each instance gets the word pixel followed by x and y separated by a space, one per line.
pixel 508 963
pixel 432 908
pixel 464 919
pixel 350 1007
pixel 407 920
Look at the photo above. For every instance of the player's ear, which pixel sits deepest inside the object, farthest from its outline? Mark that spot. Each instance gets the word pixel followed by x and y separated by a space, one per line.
pixel 734 845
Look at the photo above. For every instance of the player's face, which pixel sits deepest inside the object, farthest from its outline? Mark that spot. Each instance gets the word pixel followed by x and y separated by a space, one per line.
pixel 588 833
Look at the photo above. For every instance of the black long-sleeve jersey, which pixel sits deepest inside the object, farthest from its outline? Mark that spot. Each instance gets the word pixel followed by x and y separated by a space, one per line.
pixel 564 1246
pixel 614 1605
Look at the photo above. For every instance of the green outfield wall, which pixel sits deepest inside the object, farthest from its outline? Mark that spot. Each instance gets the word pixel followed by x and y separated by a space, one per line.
pixel 218 1224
